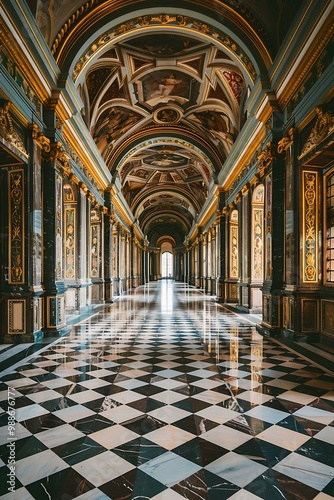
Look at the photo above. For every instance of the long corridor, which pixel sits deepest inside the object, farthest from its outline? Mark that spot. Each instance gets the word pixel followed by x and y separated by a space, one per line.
pixel 167 395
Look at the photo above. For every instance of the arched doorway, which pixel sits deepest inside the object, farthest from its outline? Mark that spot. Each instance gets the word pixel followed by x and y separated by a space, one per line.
pixel 167 260
pixel 167 265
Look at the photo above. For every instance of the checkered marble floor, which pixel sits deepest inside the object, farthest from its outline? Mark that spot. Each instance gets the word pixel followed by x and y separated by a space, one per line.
pixel 167 395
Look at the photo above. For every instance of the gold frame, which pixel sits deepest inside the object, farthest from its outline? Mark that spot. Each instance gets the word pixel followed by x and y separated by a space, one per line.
pixel 10 304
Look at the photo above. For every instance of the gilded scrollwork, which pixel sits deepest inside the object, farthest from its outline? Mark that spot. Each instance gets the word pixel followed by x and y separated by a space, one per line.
pixel 322 128
pixel 285 142
pixel 7 129
pixel 40 139
pixel 234 260
pixel 265 158
pixel 16 227
pixel 310 227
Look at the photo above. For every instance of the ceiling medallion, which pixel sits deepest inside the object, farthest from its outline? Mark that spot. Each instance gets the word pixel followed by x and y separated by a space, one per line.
pixel 168 115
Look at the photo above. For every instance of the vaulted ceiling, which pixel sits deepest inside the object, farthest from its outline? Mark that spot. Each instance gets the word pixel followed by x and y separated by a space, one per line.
pixel 164 89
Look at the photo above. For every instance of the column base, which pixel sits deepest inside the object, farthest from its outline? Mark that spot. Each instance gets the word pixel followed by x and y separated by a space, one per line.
pixel 268 331
pixel 57 332
pixel 22 338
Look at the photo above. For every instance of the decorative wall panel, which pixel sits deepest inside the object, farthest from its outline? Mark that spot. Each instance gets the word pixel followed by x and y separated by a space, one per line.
pixel 309 314
pixel 257 244
pixel 16 316
pixel 95 250
pixel 310 264
pixel 234 247
pixel 37 231
pixel 59 232
pixel 327 316
pixel 234 252
pixel 16 226
pixel 114 255
pixel 268 229
pixel 70 243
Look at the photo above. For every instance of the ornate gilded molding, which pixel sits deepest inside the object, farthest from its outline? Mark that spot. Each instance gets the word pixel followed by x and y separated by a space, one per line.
pixel 297 89
pixel 286 142
pixel 7 129
pixel 16 66
pixel 323 127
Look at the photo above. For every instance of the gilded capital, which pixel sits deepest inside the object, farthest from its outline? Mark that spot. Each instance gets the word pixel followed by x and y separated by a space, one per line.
pixel 42 142
pixel 265 158
pixel 286 142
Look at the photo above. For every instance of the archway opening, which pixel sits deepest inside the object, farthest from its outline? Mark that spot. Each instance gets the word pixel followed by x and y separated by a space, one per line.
pixel 167 265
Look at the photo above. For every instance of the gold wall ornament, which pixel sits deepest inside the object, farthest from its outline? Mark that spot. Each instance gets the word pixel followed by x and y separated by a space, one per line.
pixel 42 142
pixel 16 226
pixel 286 141
pixel 245 189
pixel 310 227
pixel 7 129
pixel 237 198
pixel 265 158
pixel 322 128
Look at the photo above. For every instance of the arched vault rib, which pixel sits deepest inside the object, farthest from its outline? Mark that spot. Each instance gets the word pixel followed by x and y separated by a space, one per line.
pixel 93 29
pixel 174 136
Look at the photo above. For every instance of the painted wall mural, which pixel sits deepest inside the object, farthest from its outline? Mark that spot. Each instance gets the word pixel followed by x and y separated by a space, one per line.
pixel 70 243
pixel 257 267
pixel 95 250
pixel 165 85
pixel 111 125
pixel 257 233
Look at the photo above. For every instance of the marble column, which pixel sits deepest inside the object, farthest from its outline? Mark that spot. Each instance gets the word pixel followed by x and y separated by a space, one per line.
pixel 221 254
pixel 271 169
pixel 54 285
pixel 109 220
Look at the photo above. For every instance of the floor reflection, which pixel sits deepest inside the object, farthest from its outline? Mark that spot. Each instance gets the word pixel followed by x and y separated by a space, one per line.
pixel 167 395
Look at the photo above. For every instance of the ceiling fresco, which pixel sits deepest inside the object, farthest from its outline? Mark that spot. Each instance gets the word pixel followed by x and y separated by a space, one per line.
pixel 164 84
pixel 164 95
